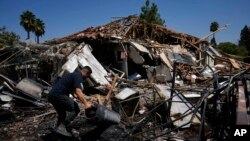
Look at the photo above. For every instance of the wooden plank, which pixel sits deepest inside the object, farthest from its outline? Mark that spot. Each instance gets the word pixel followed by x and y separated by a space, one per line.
pixel 165 60
pixel 111 90
pixel 234 63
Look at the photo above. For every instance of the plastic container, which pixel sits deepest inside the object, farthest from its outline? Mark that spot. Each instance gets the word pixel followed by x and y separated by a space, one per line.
pixel 102 115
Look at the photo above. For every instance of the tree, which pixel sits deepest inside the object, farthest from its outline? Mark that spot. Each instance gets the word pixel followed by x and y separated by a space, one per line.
pixel 213 27
pixel 7 38
pixel 228 47
pixel 39 27
pixel 231 48
pixel 27 20
pixel 245 38
pixel 150 14
pixel 213 42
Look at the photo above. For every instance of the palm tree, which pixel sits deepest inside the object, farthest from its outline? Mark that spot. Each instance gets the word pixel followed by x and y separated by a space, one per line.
pixel 27 20
pixel 39 27
pixel 214 27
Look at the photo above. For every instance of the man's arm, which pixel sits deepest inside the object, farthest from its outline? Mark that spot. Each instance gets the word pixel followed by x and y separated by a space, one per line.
pixel 80 94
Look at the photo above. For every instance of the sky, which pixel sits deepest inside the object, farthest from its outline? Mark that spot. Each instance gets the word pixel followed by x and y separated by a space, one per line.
pixel 64 17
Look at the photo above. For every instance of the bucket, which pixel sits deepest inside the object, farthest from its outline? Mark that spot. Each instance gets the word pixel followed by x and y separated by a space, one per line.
pixel 103 115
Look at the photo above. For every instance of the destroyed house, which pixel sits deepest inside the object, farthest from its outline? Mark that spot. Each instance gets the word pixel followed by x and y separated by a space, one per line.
pixel 165 85
pixel 131 45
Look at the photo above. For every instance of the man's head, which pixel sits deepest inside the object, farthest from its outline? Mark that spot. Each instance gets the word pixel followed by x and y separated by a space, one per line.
pixel 85 71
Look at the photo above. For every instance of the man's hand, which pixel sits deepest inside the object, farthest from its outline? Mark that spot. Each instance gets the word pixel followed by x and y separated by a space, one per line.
pixel 80 95
pixel 74 95
pixel 108 86
pixel 88 105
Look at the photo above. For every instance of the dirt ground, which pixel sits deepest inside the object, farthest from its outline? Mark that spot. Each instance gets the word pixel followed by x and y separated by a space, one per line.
pixel 31 124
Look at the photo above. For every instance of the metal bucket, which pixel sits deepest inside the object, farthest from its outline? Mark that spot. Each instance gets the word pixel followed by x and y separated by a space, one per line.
pixel 103 115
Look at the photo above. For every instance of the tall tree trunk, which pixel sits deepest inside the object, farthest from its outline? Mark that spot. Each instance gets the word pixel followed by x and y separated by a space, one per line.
pixel 28 35
pixel 37 39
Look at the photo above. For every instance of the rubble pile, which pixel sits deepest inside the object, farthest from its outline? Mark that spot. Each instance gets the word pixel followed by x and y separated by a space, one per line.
pixel 164 84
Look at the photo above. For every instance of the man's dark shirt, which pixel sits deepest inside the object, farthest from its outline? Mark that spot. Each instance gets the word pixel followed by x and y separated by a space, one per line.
pixel 67 84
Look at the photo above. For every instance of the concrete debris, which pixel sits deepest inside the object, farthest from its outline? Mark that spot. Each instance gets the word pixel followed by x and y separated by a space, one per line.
pixel 140 48
pixel 135 55
pixel 5 98
pixel 135 76
pixel 30 88
pixel 163 84
pixel 159 74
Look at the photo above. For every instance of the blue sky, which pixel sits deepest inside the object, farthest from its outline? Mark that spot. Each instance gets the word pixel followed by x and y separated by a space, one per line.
pixel 63 17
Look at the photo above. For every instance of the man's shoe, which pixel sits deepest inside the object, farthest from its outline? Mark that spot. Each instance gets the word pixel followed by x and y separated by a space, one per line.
pixel 75 133
pixel 61 129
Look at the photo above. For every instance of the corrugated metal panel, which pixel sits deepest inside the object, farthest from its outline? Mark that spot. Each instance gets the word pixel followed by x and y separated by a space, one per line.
pixel 87 58
pixel 83 56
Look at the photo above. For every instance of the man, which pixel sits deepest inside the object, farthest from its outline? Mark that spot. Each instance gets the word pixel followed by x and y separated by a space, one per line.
pixel 70 83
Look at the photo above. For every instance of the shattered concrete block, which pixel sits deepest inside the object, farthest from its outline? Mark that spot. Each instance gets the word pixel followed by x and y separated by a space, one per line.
pixel 135 56
pixel 160 74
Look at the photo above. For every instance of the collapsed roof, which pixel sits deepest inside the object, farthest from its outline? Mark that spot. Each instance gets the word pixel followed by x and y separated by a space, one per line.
pixel 130 27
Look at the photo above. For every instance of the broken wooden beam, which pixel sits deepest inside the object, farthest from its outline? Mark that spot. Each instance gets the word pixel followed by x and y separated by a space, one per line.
pixel 110 90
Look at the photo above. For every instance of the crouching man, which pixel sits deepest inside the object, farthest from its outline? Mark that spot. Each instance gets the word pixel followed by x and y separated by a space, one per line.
pixel 71 83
